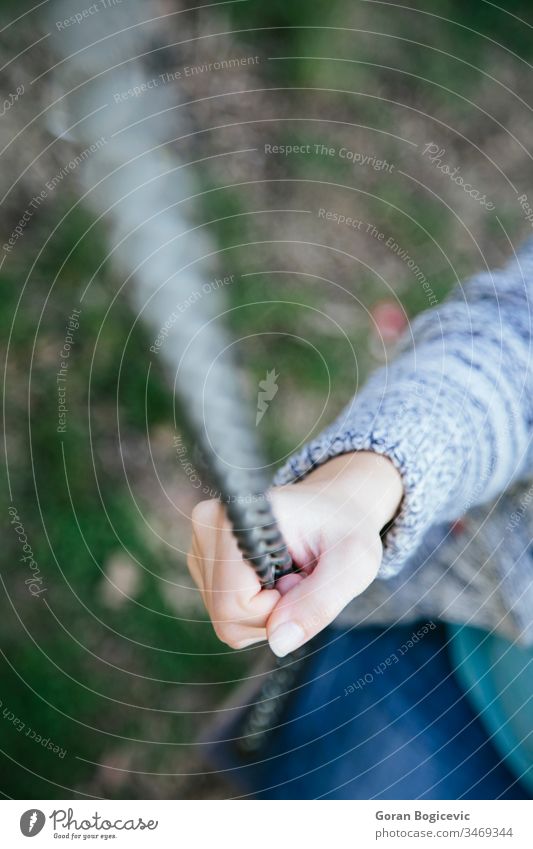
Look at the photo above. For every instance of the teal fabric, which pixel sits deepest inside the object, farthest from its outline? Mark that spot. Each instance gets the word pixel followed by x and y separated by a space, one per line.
pixel 498 678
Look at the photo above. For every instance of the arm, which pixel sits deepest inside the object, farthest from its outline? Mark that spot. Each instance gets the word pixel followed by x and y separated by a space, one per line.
pixel 454 412
pixel 446 426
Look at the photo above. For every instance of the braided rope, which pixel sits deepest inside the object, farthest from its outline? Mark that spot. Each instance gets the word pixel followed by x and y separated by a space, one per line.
pixel 142 237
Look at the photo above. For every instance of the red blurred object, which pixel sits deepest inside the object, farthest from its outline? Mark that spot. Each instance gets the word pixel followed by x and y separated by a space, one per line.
pixel 458 527
pixel 389 321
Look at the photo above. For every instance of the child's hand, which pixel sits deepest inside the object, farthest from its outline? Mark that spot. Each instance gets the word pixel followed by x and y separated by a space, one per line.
pixel 330 521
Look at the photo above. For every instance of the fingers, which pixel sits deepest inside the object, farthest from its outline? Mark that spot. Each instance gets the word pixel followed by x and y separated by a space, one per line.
pixel 238 607
pixel 237 636
pixel 343 571
pixel 230 588
pixel 194 564
pixel 336 566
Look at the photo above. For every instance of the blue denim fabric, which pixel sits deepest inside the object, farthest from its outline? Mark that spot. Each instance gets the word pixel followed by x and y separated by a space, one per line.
pixel 405 733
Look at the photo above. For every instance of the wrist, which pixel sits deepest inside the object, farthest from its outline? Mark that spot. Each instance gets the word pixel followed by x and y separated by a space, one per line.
pixel 366 479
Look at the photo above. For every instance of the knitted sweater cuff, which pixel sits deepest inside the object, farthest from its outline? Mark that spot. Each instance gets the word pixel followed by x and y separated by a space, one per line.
pixel 404 431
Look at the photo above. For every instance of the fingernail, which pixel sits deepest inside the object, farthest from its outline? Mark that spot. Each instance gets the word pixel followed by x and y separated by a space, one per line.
pixel 286 638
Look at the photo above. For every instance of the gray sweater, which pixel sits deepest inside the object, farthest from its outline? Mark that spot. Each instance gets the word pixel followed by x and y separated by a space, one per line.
pixel 454 413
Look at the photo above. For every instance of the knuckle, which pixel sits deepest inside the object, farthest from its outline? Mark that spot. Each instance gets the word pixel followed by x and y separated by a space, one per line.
pixel 228 634
pixel 316 617
pixel 195 567
pixel 223 606
pixel 235 643
pixel 248 641
pixel 204 513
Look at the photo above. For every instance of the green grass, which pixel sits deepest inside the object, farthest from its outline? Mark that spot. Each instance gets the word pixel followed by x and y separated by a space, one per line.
pixel 72 537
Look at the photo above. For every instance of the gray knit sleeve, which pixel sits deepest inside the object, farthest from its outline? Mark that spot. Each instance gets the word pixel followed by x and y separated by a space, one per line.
pixel 454 410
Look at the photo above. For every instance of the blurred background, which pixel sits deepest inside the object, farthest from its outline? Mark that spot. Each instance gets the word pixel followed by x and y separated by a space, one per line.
pixel 105 687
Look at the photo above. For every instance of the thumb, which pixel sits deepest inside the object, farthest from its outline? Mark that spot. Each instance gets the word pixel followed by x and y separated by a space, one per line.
pixel 343 571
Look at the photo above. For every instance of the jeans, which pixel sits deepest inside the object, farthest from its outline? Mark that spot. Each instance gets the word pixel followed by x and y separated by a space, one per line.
pixel 362 725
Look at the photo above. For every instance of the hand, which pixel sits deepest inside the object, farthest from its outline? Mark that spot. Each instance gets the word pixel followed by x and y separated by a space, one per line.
pixel 331 522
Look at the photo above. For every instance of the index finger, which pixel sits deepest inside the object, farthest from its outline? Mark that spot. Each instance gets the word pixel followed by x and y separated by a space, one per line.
pixel 236 592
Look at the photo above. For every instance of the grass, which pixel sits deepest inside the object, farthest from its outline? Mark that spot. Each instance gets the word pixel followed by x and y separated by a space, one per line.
pixel 55 649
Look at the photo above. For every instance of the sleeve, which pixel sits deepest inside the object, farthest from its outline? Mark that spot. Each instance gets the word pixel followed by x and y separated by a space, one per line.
pixel 453 411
